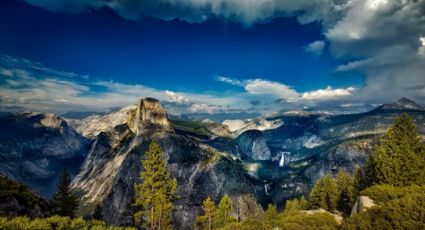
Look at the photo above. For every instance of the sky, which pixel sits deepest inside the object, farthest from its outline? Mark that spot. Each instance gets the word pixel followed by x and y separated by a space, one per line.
pixel 210 56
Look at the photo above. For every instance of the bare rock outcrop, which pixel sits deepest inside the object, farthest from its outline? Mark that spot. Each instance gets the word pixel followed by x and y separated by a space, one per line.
pixel 148 111
pixel 362 204
pixel 338 218
pixel 112 167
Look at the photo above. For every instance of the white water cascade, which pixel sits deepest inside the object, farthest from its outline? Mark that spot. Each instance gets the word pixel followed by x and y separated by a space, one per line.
pixel 282 160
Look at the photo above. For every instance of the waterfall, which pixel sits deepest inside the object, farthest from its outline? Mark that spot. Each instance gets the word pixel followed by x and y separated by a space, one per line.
pixel 282 160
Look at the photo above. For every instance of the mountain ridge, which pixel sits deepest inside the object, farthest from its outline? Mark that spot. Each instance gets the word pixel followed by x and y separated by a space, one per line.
pixel 254 168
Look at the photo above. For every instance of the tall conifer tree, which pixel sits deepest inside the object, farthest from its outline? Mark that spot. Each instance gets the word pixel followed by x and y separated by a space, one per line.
pixel 398 159
pixel 207 220
pixel 224 210
pixel 65 202
pixel 156 192
pixel 324 194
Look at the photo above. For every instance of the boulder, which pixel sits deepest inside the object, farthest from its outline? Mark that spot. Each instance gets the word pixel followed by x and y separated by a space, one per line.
pixel 338 218
pixel 362 203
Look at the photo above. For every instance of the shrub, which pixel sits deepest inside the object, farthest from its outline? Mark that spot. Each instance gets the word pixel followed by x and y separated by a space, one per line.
pixel 407 212
pixel 384 193
pixel 53 223
pixel 299 220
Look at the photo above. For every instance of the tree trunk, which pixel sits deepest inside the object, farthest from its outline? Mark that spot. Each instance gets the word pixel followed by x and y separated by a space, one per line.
pixel 159 219
pixel 209 222
pixel 152 220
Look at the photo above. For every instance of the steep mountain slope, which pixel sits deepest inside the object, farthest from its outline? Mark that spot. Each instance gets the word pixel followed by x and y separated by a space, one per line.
pixel 113 164
pixel 18 199
pixel 306 147
pixel 35 147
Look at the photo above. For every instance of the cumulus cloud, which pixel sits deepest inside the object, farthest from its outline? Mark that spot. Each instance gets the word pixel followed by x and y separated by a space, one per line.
pixel 315 48
pixel 231 81
pixel 282 93
pixel 265 87
pixel 205 108
pixel 370 32
pixel 26 86
pixel 327 94
pixel 174 97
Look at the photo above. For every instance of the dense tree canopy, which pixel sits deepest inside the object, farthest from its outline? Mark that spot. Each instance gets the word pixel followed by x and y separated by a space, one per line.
pixel 324 194
pixel 399 158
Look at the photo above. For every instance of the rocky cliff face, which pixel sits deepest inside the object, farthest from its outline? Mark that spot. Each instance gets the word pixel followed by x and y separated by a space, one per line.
pixel 252 146
pixel 113 165
pixel 35 147
pixel 313 145
pixel 148 111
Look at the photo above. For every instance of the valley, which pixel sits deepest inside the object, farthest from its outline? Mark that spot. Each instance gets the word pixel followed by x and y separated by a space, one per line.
pixel 254 167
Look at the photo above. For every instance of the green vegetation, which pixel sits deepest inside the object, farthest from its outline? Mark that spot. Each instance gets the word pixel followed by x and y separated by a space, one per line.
pixel 97 214
pixel 53 223
pixel 324 194
pixel 295 205
pixel 296 220
pixel 10 189
pixel 346 192
pixel 407 212
pixel 156 192
pixel 206 221
pixel 383 193
pixel 224 210
pixel 216 217
pixel 271 214
pixel 399 157
pixel 394 178
pixel 64 201
pixel 196 127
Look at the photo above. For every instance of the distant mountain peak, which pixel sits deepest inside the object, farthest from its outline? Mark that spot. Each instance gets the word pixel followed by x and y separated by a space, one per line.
pixel 148 110
pixel 401 104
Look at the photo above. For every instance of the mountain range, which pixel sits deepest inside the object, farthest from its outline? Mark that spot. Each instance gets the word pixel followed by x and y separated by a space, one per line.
pixel 255 161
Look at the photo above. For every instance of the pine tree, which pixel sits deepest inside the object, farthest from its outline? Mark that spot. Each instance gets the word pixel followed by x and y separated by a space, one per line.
pixel 97 214
pixel 271 214
pixel 64 201
pixel 359 181
pixel 156 192
pixel 346 191
pixel 324 194
pixel 303 203
pixel 291 206
pixel 398 159
pixel 224 210
pixel 207 220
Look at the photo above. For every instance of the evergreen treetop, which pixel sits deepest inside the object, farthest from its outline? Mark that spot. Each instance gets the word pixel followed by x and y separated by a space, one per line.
pixel 64 201
pixel 398 159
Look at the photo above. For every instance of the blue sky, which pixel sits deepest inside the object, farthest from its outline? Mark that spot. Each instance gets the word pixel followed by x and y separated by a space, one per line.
pixel 217 57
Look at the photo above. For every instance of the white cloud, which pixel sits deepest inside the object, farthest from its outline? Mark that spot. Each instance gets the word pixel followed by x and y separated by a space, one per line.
pixel 265 87
pixel 362 30
pixel 315 48
pixel 277 90
pixel 421 49
pixel 327 94
pixel 231 81
pixel 205 108
pixel 174 97
pixel 25 87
